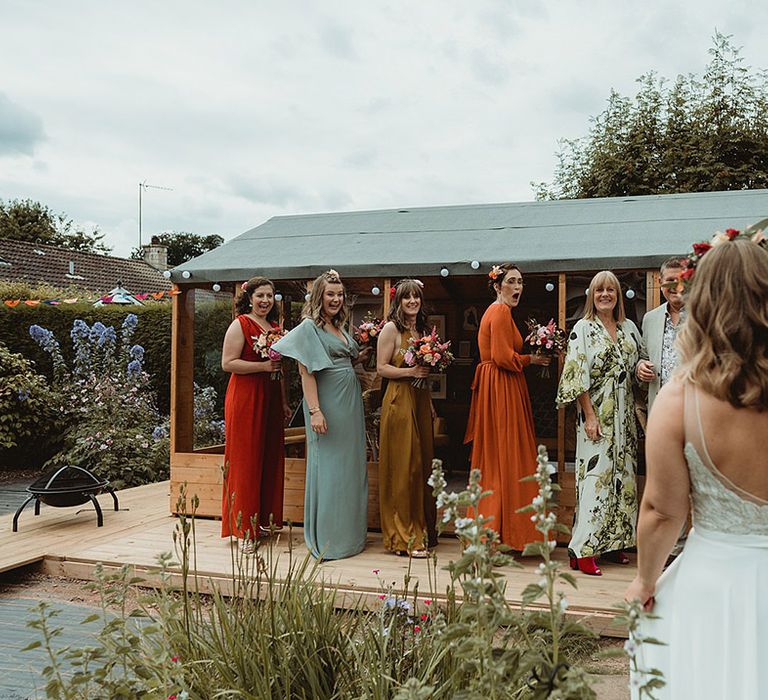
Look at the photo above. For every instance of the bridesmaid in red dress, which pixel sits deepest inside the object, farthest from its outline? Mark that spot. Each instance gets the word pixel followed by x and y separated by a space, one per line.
pixel 255 411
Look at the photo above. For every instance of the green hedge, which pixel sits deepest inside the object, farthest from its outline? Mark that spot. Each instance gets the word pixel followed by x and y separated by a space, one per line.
pixel 153 333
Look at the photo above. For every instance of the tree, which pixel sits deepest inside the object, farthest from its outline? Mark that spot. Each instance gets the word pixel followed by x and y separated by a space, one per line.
pixel 183 246
pixel 695 135
pixel 27 220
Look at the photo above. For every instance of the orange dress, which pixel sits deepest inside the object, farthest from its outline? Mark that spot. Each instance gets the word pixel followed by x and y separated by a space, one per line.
pixel 501 427
pixel 254 452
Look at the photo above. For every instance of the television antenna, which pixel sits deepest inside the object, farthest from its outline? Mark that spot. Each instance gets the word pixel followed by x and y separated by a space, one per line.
pixel 146 186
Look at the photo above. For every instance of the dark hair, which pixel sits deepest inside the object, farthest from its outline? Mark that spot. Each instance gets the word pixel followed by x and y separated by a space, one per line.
pixel 405 288
pixel 676 263
pixel 313 307
pixel 505 268
pixel 243 301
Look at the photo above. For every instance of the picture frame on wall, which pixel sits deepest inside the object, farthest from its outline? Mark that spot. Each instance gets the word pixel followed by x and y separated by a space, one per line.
pixel 465 348
pixel 438 385
pixel 437 321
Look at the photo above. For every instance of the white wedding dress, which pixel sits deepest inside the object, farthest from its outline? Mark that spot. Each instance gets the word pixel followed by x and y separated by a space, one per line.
pixel 712 602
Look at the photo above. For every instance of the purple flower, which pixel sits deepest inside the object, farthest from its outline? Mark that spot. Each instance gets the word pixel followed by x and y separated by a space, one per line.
pixel 137 352
pixel 23 394
pixel 158 433
pixel 130 322
pixel 107 336
pixel 134 368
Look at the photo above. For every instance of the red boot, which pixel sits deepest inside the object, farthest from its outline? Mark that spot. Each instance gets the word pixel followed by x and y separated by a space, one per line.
pixel 587 565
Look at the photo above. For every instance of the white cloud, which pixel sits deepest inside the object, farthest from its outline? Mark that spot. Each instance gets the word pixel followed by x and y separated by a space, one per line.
pixel 254 109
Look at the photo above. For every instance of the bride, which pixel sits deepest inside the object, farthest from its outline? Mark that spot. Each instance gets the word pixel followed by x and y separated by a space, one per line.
pixel 707 444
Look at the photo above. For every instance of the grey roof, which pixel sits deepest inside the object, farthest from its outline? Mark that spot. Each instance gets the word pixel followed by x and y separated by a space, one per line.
pixel 550 236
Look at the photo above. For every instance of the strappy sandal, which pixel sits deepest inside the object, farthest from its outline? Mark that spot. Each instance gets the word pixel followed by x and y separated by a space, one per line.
pixel 415 554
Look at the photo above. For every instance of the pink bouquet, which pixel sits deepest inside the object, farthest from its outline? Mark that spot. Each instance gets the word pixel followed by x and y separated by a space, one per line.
pixel 545 340
pixel 428 351
pixel 263 343
pixel 367 335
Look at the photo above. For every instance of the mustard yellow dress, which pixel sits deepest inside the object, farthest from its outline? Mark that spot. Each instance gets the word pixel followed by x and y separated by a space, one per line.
pixel 405 463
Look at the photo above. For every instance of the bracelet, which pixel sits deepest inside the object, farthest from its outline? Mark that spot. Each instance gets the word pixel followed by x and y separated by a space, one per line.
pixel 314 409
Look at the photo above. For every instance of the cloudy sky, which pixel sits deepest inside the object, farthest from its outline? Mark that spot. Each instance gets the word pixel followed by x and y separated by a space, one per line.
pixel 253 108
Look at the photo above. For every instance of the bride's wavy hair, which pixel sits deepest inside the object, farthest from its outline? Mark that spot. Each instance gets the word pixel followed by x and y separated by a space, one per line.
pixel 724 342
pixel 313 307
pixel 404 288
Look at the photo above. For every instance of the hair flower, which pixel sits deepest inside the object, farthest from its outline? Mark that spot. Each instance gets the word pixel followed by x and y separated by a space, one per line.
pixel 392 291
pixel 333 276
pixel 754 233
pixel 495 272
pixel 244 285
pixel 420 283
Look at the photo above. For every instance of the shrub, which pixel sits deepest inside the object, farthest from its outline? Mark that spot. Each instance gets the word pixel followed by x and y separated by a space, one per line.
pixel 106 404
pixel 153 334
pixel 26 406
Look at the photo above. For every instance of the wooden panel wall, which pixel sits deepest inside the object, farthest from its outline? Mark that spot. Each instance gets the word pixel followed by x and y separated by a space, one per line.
pixel 203 475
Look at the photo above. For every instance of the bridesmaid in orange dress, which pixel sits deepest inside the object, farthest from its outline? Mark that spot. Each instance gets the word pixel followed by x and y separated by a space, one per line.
pixel 500 417
pixel 255 410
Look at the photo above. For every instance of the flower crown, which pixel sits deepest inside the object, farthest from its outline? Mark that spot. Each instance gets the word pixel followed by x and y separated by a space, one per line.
pixel 753 233
pixel 495 272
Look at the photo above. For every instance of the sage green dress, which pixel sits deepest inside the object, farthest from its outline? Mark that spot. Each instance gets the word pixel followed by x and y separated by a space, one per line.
pixel 606 492
pixel 336 489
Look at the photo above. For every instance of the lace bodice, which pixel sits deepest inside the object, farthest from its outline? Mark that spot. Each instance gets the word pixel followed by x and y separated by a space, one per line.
pixel 719 506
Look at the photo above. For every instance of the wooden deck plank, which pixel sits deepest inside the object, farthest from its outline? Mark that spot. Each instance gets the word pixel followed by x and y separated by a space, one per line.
pixel 68 543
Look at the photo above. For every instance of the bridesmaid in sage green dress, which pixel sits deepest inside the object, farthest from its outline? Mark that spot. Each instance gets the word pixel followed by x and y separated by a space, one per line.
pixel 336 490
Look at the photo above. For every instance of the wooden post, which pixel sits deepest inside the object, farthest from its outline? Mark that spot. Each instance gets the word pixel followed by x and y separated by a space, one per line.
pixel 385 292
pixel 561 316
pixel 182 371
pixel 652 289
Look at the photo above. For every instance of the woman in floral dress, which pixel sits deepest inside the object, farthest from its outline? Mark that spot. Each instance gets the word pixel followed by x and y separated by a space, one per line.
pixel 597 374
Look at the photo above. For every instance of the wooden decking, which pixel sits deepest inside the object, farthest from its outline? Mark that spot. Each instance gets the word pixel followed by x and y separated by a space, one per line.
pixel 67 542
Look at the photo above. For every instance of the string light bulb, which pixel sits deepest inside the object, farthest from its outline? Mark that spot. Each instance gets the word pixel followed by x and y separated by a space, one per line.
pixel 475 264
pixel 630 293
pixel 186 274
pixel 167 274
pixel 216 287
pixel 444 272
pixel 278 296
pixel 375 291
pixel 549 287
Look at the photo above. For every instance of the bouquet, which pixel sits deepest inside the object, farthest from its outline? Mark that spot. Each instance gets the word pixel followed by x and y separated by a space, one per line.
pixel 545 340
pixel 428 351
pixel 367 335
pixel 263 343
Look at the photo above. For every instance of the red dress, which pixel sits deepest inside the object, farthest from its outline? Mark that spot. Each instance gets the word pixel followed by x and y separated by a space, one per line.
pixel 254 453
pixel 501 428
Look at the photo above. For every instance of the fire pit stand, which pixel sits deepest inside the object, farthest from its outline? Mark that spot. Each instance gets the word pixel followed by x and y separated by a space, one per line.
pixel 65 487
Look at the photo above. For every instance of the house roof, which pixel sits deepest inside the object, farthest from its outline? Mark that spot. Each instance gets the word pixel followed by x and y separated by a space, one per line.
pixel 548 236
pixel 34 263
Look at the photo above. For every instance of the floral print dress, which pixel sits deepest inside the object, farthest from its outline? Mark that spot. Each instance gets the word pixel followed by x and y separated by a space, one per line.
pixel 606 491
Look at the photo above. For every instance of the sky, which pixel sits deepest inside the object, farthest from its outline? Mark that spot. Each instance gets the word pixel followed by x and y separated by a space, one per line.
pixel 250 109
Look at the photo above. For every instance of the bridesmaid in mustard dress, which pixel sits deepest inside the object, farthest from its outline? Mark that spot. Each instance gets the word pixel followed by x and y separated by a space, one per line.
pixel 405 441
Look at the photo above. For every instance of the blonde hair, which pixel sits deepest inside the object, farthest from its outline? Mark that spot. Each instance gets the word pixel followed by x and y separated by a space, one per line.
pixel 313 307
pixel 724 343
pixel 600 279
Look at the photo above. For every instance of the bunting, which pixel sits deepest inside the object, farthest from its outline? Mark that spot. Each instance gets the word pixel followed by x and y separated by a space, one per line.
pixel 106 299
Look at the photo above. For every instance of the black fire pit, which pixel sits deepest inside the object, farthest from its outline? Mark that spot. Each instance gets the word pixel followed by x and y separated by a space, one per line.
pixel 65 487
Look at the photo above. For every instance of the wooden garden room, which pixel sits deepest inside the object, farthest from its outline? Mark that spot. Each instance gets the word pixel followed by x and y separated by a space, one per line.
pixel 559 245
